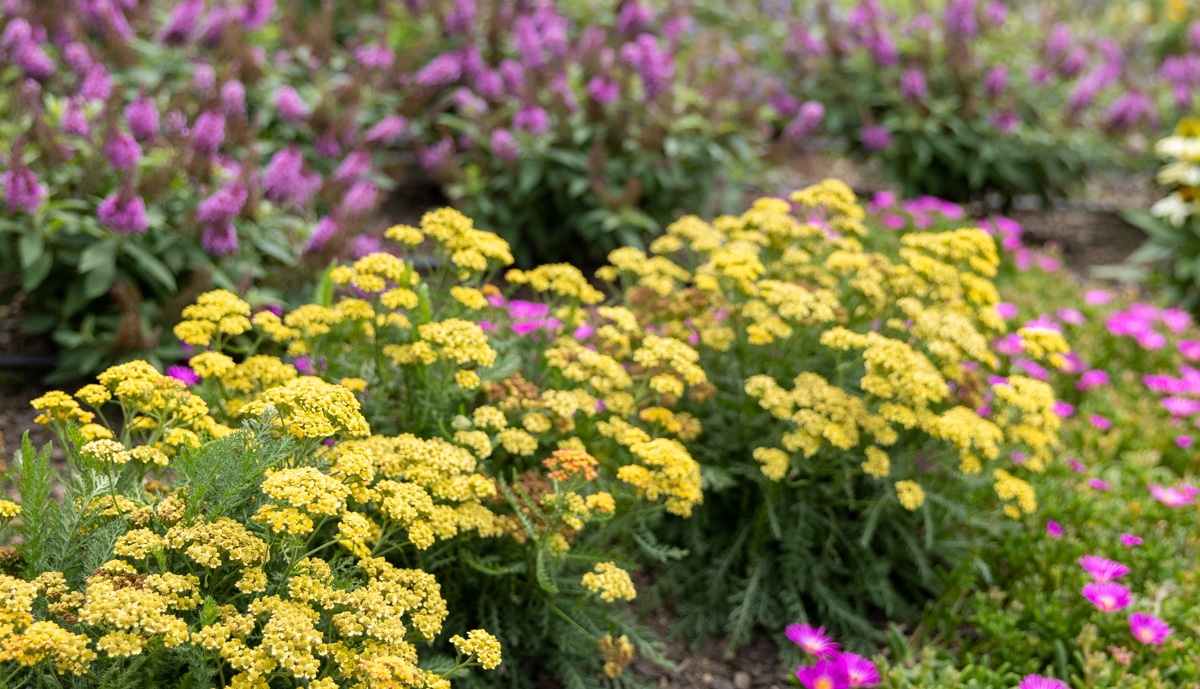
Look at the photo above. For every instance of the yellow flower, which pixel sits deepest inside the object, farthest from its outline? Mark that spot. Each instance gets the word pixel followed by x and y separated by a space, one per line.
pixel 610 582
pixel 910 494
pixel 480 644
pixel 774 462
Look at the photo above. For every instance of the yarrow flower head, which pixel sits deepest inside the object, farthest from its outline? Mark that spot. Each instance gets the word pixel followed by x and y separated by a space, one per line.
pixel 813 640
pixel 1102 569
pixel 1148 629
pixel 1107 596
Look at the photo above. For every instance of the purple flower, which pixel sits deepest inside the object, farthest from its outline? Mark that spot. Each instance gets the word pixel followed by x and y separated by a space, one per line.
pixel 183 21
pixel 1190 349
pixel 1175 496
pixel 1176 320
pixel 353 167
pixel 184 374
pixel 504 146
pixel 1102 569
pixel 1183 441
pixel 97 85
pixel 814 641
pixel 23 191
pixel 532 119
pixel 1006 310
pixel 219 240
pixel 1072 316
pixel 359 199
pixel 205 77
pixel 653 63
pixel 78 58
pixel 462 17
pixel 1128 110
pixel 913 85
pixel 325 230
pixel 208 132
pixel 143 119
pixel 827 673
pixel 123 152
pixel 489 84
pixel 1099 484
pixel 1092 379
pixel 513 74
pixel 17 32
pixel 305 365
pixel 995 81
pixel 1062 409
pixel 1040 682
pixel 442 70
pixel 1181 406
pixel 1053 529
pixel 805 122
pixel 386 130
pixel 1076 465
pixel 233 99
pixel 73 119
pixel 1097 297
pixel 634 17
pixel 283 178
pixel 256 13
pixel 123 213
pixel 859 671
pixel 1107 596
pixel 290 105
pixel 364 245
pixel 1130 541
pixel 960 18
pixel 1009 345
pixel 875 137
pixel 222 206
pixel 604 90
pixel 1194 35
pixel 1148 629
pixel 1100 422
pixel 32 60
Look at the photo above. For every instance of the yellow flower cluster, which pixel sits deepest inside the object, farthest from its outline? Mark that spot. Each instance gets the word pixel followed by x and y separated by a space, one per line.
pixel 1009 487
pixel 616 654
pixel 1045 344
pixel 308 407
pixel 1025 412
pixel 215 313
pixel 480 644
pixel 667 471
pixel 610 582
pixel 469 249
pixel 774 462
pixel 462 342
pixel 561 279
pixel 910 494
pixel 567 462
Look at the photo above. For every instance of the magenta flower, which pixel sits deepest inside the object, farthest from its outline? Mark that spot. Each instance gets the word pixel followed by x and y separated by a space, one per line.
pixel 1183 441
pixel 1097 297
pixel 826 673
pixel 208 132
pixel 325 230
pixel 23 190
pixel 219 240
pixel 1130 541
pixel 183 374
pixel 442 70
pixel 233 99
pixel 603 90
pixel 123 152
pixel 995 81
pixel 1006 310
pixel 1099 484
pixel 222 206
pixel 1175 496
pixel 1107 596
pixel 290 105
pixel 1176 320
pixel 387 130
pixel 142 118
pixel 1102 569
pixel 1053 529
pixel 1190 349
pixel 1062 409
pixel 533 119
pixel 1100 422
pixel 1040 682
pixel 1092 379
pixel 1148 629
pixel 1076 465
pixel 806 121
pixel 875 137
pixel 913 84
pixel 813 641
pixel 860 672
pixel 123 213
pixel 505 146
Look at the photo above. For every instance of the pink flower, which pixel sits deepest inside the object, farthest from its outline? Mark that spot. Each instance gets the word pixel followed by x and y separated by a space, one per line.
pixel 1181 406
pixel 1190 349
pixel 1006 310
pixel 1062 409
pixel 1096 297
pixel 1053 529
pixel 1130 541
pixel 1040 682
pixel 813 641
pixel 1072 316
pixel 860 672
pixel 183 374
pixel 1092 379
pixel 1184 441
pixel 1102 569
pixel 1176 320
pixel 1148 629
pixel 1175 496
pixel 1107 596
pixel 1099 484
pixel 1076 465
pixel 1151 340
pixel 1100 422
pixel 827 673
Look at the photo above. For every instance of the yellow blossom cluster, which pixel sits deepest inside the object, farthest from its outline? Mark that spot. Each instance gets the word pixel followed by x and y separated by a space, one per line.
pixel 561 279
pixel 610 582
pixel 666 470
pixel 216 313
pixel 469 249
pixel 308 407
pixel 616 654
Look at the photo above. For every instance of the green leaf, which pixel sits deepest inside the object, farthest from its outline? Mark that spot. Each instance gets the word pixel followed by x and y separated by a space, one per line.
pixel 545 578
pixel 32 246
pixel 151 266
pixel 33 275
pixel 487 565
pixel 96 256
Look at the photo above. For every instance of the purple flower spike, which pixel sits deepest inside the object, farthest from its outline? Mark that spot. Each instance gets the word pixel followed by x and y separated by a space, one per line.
pixel 290 105
pixel 504 146
pixel 222 206
pixel 142 118
pixel 219 240
pixel 1148 629
pixel 387 130
pixel 325 230
pixel 875 137
pixel 813 641
pixel 533 120
pixel 123 213
pixel 182 23
pixel 233 99
pixel 208 132
pixel 604 90
pixel 23 191
pixel 913 85
pixel 1102 569
pixel 123 152
pixel 1107 596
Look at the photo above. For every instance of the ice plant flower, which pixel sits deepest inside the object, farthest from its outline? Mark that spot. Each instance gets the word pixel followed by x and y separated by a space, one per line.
pixel 1107 596
pixel 813 641
pixel 183 374
pixel 1053 529
pixel 1040 682
pixel 1076 465
pixel 860 672
pixel 1100 422
pixel 1148 629
pixel 1102 569
pixel 1130 541
pixel 1099 484
pixel 1175 496
pixel 827 673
